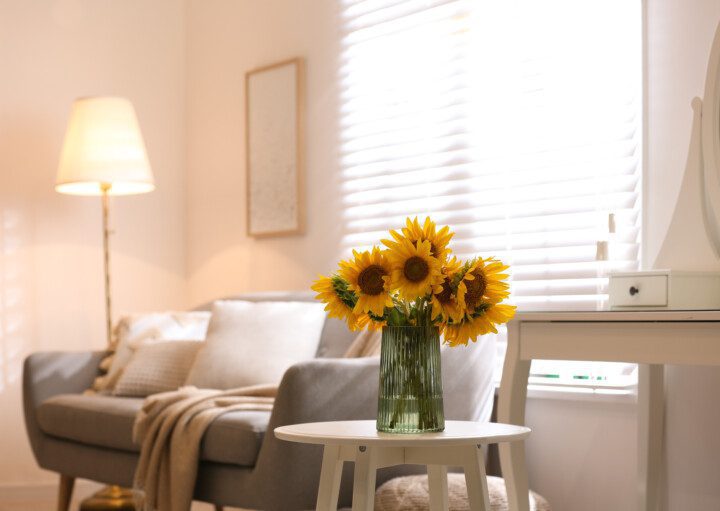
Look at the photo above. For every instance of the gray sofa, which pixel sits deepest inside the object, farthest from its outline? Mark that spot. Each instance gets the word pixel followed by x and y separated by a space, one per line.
pixel 242 463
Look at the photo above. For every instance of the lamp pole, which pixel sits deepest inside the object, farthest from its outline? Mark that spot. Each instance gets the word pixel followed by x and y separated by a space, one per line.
pixel 111 497
pixel 105 189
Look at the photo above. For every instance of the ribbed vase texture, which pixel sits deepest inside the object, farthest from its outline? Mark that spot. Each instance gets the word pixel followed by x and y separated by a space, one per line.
pixel 410 398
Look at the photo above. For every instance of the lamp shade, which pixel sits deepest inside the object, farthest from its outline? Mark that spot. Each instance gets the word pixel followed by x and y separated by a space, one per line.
pixel 103 148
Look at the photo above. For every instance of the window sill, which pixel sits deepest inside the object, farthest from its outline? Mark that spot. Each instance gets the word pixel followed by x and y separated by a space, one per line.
pixel 585 394
pixel 616 394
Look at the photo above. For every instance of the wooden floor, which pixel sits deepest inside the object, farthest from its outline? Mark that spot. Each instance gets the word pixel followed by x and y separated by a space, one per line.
pixel 49 505
pixel 44 498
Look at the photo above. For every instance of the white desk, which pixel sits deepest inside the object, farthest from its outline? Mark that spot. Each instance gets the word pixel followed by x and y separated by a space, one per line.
pixel 460 444
pixel 651 339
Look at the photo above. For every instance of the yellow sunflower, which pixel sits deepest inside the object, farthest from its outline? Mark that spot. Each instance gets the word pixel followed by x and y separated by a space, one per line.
pixel 413 232
pixel 414 270
pixel 482 282
pixel 472 327
pixel 326 293
pixel 330 291
pixel 365 321
pixel 444 298
pixel 368 275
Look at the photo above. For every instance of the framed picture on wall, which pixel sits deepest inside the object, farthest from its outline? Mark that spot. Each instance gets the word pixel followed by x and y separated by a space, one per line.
pixel 274 106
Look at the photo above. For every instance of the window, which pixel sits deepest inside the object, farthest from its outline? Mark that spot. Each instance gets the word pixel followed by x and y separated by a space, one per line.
pixel 516 123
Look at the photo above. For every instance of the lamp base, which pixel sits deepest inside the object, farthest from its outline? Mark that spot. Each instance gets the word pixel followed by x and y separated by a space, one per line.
pixel 110 498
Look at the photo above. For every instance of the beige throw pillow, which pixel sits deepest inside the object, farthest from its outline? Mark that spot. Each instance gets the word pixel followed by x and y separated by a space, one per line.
pixel 135 329
pixel 157 367
pixel 250 343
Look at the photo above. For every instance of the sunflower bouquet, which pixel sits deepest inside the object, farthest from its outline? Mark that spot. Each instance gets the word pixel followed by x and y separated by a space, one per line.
pixel 416 281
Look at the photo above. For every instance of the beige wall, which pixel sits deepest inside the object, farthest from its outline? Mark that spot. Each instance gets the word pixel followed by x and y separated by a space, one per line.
pixel 226 38
pixel 50 244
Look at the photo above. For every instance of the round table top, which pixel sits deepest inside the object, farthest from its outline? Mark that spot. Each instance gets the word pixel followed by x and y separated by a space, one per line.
pixel 364 433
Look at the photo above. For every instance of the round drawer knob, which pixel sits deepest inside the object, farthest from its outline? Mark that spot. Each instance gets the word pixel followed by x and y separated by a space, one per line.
pixel 634 290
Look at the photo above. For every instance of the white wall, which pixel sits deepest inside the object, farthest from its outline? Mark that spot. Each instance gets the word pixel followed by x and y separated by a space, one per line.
pixel 582 453
pixel 51 295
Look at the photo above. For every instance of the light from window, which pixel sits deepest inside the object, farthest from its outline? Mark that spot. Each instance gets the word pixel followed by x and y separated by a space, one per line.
pixel 516 123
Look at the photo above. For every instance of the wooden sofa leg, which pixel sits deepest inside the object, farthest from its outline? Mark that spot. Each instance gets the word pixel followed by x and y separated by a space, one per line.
pixel 218 507
pixel 65 492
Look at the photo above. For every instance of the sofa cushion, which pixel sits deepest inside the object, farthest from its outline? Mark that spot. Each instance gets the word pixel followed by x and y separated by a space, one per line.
pixel 135 329
pixel 96 420
pixel 336 336
pixel 107 421
pixel 254 343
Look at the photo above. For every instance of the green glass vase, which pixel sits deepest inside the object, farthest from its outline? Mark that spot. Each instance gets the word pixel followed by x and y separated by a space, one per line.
pixel 410 398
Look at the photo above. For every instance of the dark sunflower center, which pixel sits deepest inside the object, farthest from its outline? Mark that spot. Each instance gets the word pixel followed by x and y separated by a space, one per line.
pixel 416 269
pixel 445 296
pixel 475 289
pixel 371 280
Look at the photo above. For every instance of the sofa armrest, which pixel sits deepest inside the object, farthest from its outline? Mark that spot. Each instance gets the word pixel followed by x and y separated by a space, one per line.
pixel 327 390
pixel 47 374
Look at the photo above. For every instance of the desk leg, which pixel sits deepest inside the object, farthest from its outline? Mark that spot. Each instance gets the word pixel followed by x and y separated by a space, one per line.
pixel 330 474
pixel 364 482
pixel 651 401
pixel 476 479
pixel 437 480
pixel 511 410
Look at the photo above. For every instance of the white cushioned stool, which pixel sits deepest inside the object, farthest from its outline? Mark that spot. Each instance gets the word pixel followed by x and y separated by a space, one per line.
pixel 411 493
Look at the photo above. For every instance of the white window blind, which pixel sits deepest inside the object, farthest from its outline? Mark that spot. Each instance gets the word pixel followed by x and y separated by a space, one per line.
pixel 516 123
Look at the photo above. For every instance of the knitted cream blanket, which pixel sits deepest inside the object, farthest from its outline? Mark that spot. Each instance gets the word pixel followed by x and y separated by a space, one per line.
pixel 170 427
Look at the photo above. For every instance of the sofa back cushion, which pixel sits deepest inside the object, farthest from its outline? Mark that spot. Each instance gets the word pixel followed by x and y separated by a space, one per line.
pixel 250 343
pixel 336 336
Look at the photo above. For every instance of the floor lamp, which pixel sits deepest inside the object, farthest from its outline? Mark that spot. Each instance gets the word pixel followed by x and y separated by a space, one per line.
pixel 104 154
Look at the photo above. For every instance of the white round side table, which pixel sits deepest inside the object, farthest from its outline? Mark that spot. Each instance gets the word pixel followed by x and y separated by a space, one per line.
pixel 461 444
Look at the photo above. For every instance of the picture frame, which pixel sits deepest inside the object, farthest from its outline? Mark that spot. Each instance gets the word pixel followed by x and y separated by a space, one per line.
pixel 274 145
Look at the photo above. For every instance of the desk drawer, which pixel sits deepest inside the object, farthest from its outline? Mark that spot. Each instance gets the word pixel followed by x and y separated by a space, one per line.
pixel 639 291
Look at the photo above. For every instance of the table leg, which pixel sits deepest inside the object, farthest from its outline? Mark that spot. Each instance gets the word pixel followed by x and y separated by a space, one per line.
pixel 330 474
pixel 476 480
pixel 651 397
pixel 511 410
pixel 437 481
pixel 364 481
